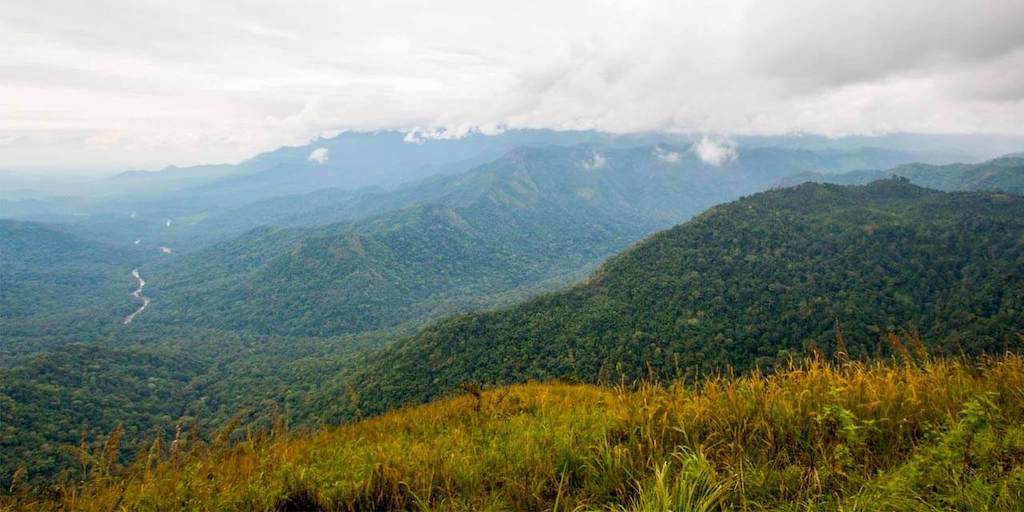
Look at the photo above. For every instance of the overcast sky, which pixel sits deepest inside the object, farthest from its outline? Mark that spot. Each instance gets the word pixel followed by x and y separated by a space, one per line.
pixel 104 84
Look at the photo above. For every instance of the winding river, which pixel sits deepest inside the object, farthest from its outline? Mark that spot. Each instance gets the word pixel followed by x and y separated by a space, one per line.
pixel 138 295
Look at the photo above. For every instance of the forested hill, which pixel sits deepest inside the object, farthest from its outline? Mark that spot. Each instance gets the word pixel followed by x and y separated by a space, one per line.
pixel 530 219
pixel 745 284
pixel 1004 174
pixel 52 282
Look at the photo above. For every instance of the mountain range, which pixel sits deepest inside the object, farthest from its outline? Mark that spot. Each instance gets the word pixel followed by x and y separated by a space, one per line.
pixel 138 204
pixel 273 299
pixel 451 242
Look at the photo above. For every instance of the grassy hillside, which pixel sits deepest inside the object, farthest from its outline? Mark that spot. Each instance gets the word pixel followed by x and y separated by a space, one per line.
pixel 919 435
pixel 747 284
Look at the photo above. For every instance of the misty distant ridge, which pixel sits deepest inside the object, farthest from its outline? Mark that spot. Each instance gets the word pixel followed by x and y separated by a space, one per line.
pixel 356 174
pixel 964 147
pixel 960 147
pixel 387 158
pixel 1004 174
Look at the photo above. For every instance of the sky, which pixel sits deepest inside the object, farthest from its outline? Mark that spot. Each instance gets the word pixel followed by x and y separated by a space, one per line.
pixel 126 84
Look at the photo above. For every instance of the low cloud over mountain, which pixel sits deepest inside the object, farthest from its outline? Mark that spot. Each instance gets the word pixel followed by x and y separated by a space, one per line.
pixel 154 86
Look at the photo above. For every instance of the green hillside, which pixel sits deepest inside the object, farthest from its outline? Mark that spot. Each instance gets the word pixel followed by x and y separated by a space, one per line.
pixel 400 267
pixel 528 221
pixel 54 285
pixel 747 284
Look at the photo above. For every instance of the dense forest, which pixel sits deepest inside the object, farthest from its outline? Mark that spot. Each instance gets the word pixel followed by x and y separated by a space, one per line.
pixel 56 286
pixel 151 382
pixel 452 243
pixel 750 284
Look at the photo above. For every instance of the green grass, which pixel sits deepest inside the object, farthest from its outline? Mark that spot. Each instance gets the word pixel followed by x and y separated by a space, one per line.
pixel 931 435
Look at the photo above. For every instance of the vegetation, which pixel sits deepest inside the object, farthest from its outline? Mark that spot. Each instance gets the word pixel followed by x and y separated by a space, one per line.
pixel 1004 174
pixel 746 285
pixel 55 286
pixel 446 245
pixel 289 321
pixel 149 381
pixel 414 265
pixel 923 434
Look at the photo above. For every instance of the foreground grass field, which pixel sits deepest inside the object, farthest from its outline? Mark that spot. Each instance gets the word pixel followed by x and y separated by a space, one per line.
pixel 925 435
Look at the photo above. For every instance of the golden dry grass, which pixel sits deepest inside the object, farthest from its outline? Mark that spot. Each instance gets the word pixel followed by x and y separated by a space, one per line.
pixel 936 435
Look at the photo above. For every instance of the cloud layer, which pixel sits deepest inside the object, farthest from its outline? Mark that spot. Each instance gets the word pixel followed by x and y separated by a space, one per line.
pixel 596 161
pixel 318 155
pixel 119 83
pixel 714 151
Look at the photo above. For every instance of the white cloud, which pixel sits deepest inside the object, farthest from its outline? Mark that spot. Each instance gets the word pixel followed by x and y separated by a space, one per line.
pixel 714 151
pixel 318 155
pixel 418 134
pixel 596 161
pixel 667 156
pixel 127 85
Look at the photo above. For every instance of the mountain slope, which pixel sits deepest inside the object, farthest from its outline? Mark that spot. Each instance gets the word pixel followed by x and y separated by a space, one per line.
pixel 753 169
pixel 937 435
pixel 453 243
pixel 404 266
pixel 211 202
pixel 53 283
pixel 1004 174
pixel 749 283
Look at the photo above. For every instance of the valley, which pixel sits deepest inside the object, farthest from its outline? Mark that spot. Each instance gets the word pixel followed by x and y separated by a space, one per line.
pixel 658 256
pixel 594 263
